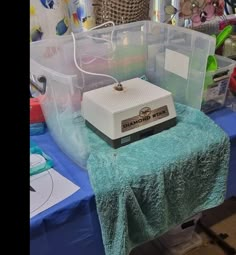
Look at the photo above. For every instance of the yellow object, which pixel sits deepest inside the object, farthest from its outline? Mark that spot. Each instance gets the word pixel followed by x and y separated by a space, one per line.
pixel 66 21
pixel 89 23
pixel 32 10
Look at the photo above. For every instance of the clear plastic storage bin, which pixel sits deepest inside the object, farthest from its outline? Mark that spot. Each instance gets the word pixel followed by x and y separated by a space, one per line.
pixel 182 233
pixel 216 84
pixel 171 57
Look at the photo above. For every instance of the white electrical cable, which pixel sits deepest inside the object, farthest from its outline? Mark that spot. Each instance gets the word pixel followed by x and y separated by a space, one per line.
pixel 75 60
pixel 108 22
pixel 101 39
pixel 93 59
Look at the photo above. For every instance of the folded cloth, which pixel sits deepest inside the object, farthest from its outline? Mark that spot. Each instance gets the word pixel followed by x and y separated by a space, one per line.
pixel 149 186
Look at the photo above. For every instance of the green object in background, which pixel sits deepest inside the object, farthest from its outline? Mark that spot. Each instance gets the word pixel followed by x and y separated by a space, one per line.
pixel 223 35
pixel 212 64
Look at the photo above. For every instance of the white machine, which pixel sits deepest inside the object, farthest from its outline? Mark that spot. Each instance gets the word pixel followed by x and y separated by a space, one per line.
pixel 128 112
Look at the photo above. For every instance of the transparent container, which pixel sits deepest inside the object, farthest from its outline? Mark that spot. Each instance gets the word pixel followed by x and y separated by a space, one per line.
pixel 230 101
pixel 182 233
pixel 216 85
pixel 138 49
pixel 229 48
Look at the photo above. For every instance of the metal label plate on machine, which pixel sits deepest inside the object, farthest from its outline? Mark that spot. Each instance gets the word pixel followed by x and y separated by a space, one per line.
pixel 146 115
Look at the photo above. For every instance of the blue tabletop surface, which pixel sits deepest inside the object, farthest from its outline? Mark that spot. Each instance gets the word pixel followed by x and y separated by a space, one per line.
pixel 72 226
pixel 226 119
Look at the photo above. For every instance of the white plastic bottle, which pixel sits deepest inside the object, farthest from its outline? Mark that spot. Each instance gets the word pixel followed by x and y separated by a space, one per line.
pixel 229 48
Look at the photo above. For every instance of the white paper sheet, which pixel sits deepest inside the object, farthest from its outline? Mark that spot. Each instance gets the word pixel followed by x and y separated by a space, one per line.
pixel 50 188
pixel 176 63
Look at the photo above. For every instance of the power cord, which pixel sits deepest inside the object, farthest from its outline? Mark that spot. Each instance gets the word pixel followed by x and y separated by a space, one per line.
pixel 118 86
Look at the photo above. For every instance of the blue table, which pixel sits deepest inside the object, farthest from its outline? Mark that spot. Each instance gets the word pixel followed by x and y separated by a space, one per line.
pixel 226 119
pixel 72 227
